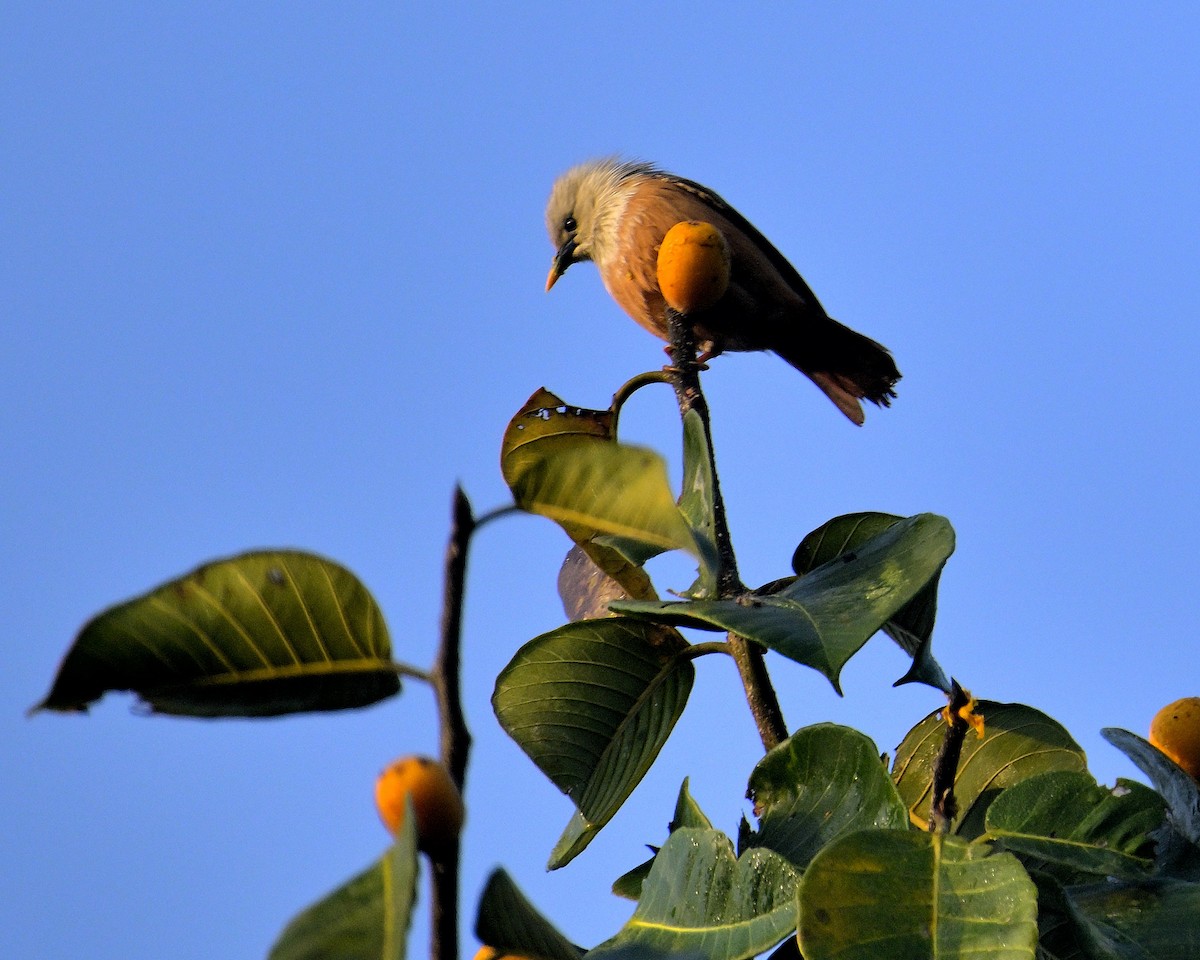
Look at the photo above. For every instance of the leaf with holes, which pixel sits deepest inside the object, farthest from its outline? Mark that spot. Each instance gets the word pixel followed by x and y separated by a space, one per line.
pixel 260 634
pixel 592 703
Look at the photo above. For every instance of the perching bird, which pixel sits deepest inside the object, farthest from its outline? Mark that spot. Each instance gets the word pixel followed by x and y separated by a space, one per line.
pixel 615 213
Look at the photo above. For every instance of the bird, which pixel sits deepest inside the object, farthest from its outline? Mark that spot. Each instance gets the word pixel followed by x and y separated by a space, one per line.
pixel 615 212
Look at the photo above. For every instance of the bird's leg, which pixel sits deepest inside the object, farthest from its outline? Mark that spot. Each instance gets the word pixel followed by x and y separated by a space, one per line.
pixel 700 361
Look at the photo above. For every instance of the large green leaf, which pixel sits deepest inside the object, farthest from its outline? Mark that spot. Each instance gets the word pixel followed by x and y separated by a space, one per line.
pixel 592 703
pixel 915 896
pixel 1156 921
pixel 563 462
pixel 687 814
pixel 1065 818
pixel 366 918
pixel 260 634
pixel 507 921
pixel 700 898
pixel 1018 742
pixel 912 625
pixel 823 618
pixel 821 782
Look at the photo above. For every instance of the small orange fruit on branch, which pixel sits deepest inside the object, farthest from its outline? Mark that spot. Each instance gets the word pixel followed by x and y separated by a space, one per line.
pixel 436 802
pixel 1175 730
pixel 693 266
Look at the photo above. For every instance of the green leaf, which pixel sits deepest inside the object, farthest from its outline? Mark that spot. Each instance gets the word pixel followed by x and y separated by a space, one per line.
pixel 255 635
pixel 507 921
pixel 912 625
pixel 562 462
pixel 1157 921
pixel 696 501
pixel 592 703
pixel 687 814
pixel 1067 819
pixel 823 618
pixel 823 781
pixel 700 898
pixel 1018 742
pixel 1178 789
pixel 364 919
pixel 914 896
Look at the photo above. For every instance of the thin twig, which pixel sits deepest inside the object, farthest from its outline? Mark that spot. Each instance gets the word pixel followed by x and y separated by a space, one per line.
pixel 760 694
pixel 455 737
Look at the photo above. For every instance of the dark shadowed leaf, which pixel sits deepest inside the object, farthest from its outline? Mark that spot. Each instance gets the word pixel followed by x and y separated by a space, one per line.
pixel 912 625
pixel 1064 819
pixel 1147 921
pixel 586 590
pixel 507 921
pixel 260 634
pixel 700 898
pixel 687 814
pixel 1018 742
pixel 823 618
pixel 912 896
pixel 823 781
pixel 365 919
pixel 592 703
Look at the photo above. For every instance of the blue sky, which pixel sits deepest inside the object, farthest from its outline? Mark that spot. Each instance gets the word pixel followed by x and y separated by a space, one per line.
pixel 272 276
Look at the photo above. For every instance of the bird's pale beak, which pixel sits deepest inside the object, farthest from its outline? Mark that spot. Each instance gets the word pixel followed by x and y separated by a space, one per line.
pixel 563 259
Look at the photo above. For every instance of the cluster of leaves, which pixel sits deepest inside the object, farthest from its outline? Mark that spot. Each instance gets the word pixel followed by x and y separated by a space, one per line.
pixel 1039 860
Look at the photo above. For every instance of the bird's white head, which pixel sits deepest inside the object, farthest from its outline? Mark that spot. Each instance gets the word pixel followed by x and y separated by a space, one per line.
pixel 584 208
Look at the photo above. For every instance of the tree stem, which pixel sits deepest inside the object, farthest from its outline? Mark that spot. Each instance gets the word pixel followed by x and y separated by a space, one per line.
pixel 760 694
pixel 455 737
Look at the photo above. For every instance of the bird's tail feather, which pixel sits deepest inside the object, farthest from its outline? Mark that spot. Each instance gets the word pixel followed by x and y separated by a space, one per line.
pixel 847 366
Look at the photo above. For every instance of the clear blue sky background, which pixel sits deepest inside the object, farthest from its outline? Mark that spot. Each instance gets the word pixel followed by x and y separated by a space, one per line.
pixel 272 276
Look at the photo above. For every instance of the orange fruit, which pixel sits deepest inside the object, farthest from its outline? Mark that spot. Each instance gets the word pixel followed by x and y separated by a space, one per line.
pixel 436 802
pixel 1175 730
pixel 491 953
pixel 693 266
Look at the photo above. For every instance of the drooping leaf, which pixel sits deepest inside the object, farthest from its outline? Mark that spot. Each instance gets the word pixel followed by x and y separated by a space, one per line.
pixel 563 463
pixel 823 618
pixel 912 625
pixel 592 703
pixel 586 590
pixel 823 781
pixel 1018 742
pixel 906 895
pixel 366 918
pixel 700 898
pixel 507 921
pixel 1066 819
pixel 259 634
pixel 1145 921
pixel 687 814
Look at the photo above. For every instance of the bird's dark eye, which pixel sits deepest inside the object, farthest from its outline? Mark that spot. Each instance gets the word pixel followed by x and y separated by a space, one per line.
pixel 570 225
